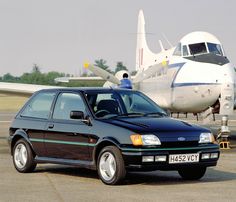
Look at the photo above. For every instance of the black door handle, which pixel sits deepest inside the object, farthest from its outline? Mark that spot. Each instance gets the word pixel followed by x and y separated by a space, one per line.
pixel 72 134
pixel 50 126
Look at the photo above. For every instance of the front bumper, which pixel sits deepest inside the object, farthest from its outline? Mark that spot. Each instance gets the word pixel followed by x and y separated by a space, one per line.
pixel 133 157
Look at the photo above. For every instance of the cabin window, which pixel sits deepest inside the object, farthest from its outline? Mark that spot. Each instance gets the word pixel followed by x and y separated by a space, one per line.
pixel 198 48
pixel 214 48
pixel 177 51
pixel 185 51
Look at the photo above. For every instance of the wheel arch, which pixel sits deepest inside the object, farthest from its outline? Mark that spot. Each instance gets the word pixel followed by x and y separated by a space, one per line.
pixel 107 141
pixel 19 134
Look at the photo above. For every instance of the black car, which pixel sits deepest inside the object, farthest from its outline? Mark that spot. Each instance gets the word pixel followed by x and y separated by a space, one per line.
pixel 110 130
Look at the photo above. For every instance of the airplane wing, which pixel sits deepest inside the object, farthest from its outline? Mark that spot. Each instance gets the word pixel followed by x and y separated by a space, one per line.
pixel 21 89
pixel 68 79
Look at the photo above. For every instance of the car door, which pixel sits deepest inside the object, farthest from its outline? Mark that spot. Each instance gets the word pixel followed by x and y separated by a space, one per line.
pixel 67 138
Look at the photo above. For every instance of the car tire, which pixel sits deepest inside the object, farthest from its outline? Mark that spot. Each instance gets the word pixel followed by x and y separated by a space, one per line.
pixel 23 157
pixel 111 167
pixel 192 173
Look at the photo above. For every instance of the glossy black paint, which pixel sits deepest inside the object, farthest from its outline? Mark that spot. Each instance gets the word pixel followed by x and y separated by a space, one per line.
pixel 77 142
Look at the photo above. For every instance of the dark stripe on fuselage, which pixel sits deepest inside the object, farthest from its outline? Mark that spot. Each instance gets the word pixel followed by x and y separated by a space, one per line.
pixel 176 65
pixel 179 66
pixel 192 84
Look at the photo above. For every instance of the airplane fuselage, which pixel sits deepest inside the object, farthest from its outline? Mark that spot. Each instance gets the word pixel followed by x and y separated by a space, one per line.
pixel 186 85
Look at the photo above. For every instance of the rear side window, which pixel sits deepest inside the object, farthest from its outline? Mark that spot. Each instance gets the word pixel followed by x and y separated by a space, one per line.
pixel 39 106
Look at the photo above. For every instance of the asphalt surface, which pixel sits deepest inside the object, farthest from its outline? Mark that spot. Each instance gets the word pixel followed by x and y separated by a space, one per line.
pixel 64 183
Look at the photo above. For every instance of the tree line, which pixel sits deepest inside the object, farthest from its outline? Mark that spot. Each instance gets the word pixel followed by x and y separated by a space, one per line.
pixel 37 77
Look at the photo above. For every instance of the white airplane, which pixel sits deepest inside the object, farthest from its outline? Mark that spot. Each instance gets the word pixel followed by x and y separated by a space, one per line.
pixel 192 77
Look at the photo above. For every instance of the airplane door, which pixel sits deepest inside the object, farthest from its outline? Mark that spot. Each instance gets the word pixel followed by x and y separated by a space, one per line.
pixel 227 99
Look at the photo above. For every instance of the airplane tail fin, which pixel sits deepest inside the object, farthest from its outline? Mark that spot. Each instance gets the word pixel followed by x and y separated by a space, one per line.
pixel 144 56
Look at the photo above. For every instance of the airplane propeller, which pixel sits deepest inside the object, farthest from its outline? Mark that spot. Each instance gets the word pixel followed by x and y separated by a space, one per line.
pixel 140 76
pixel 155 69
pixel 102 73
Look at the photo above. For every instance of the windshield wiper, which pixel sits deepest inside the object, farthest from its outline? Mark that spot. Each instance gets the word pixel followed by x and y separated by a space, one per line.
pixel 155 114
pixel 133 114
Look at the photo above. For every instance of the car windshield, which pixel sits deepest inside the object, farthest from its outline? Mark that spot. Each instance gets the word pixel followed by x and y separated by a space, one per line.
pixel 122 104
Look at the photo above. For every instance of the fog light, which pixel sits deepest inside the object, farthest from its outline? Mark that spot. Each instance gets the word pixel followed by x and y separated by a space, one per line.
pixel 160 158
pixel 214 155
pixel 206 156
pixel 148 158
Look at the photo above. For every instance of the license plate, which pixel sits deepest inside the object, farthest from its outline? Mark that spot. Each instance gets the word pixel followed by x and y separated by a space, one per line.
pixel 183 158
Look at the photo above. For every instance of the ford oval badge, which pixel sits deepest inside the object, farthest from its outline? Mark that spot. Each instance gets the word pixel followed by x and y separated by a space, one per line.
pixel 181 138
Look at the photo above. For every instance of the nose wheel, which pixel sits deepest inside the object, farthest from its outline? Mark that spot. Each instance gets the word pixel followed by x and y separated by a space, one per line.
pixel 224 133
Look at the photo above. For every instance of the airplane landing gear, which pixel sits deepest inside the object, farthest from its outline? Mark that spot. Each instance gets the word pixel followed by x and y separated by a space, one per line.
pixel 224 133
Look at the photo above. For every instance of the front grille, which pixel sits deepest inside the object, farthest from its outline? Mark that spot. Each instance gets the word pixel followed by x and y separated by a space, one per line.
pixel 179 144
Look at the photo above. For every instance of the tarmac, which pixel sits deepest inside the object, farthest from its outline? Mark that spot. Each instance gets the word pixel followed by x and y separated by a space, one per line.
pixel 64 183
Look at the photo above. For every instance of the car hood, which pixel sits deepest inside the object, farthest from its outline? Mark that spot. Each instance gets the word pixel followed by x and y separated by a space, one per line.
pixel 153 124
pixel 167 129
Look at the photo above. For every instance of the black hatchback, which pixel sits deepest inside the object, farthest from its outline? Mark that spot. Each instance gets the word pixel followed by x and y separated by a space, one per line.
pixel 113 131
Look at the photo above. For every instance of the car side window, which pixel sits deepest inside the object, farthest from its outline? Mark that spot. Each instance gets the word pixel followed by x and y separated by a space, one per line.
pixel 67 102
pixel 104 104
pixel 39 106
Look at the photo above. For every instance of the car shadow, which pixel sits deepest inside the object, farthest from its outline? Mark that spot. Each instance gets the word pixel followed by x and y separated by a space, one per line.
pixel 164 178
pixel 172 177
pixel 67 170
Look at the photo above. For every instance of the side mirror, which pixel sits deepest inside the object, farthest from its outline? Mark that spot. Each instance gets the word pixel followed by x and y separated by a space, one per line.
pixel 167 112
pixel 77 115
pixel 80 115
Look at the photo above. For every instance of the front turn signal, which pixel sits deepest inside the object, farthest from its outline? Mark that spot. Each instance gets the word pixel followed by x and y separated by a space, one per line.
pixel 136 139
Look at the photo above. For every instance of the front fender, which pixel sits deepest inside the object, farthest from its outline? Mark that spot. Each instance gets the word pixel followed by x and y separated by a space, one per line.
pixel 106 141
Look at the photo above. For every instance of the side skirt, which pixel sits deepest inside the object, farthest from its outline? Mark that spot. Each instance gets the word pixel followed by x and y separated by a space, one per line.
pixel 77 163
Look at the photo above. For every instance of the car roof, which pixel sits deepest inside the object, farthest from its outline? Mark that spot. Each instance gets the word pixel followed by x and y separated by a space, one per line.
pixel 85 89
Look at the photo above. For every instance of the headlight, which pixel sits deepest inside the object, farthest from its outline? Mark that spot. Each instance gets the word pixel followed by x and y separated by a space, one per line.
pixel 206 138
pixel 138 140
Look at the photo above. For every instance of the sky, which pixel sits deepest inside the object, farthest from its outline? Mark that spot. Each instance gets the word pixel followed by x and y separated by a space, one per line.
pixel 59 35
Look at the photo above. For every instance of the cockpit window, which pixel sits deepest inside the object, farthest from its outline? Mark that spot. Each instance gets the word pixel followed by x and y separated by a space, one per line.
pixel 197 48
pixel 177 51
pixel 215 48
pixel 185 51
